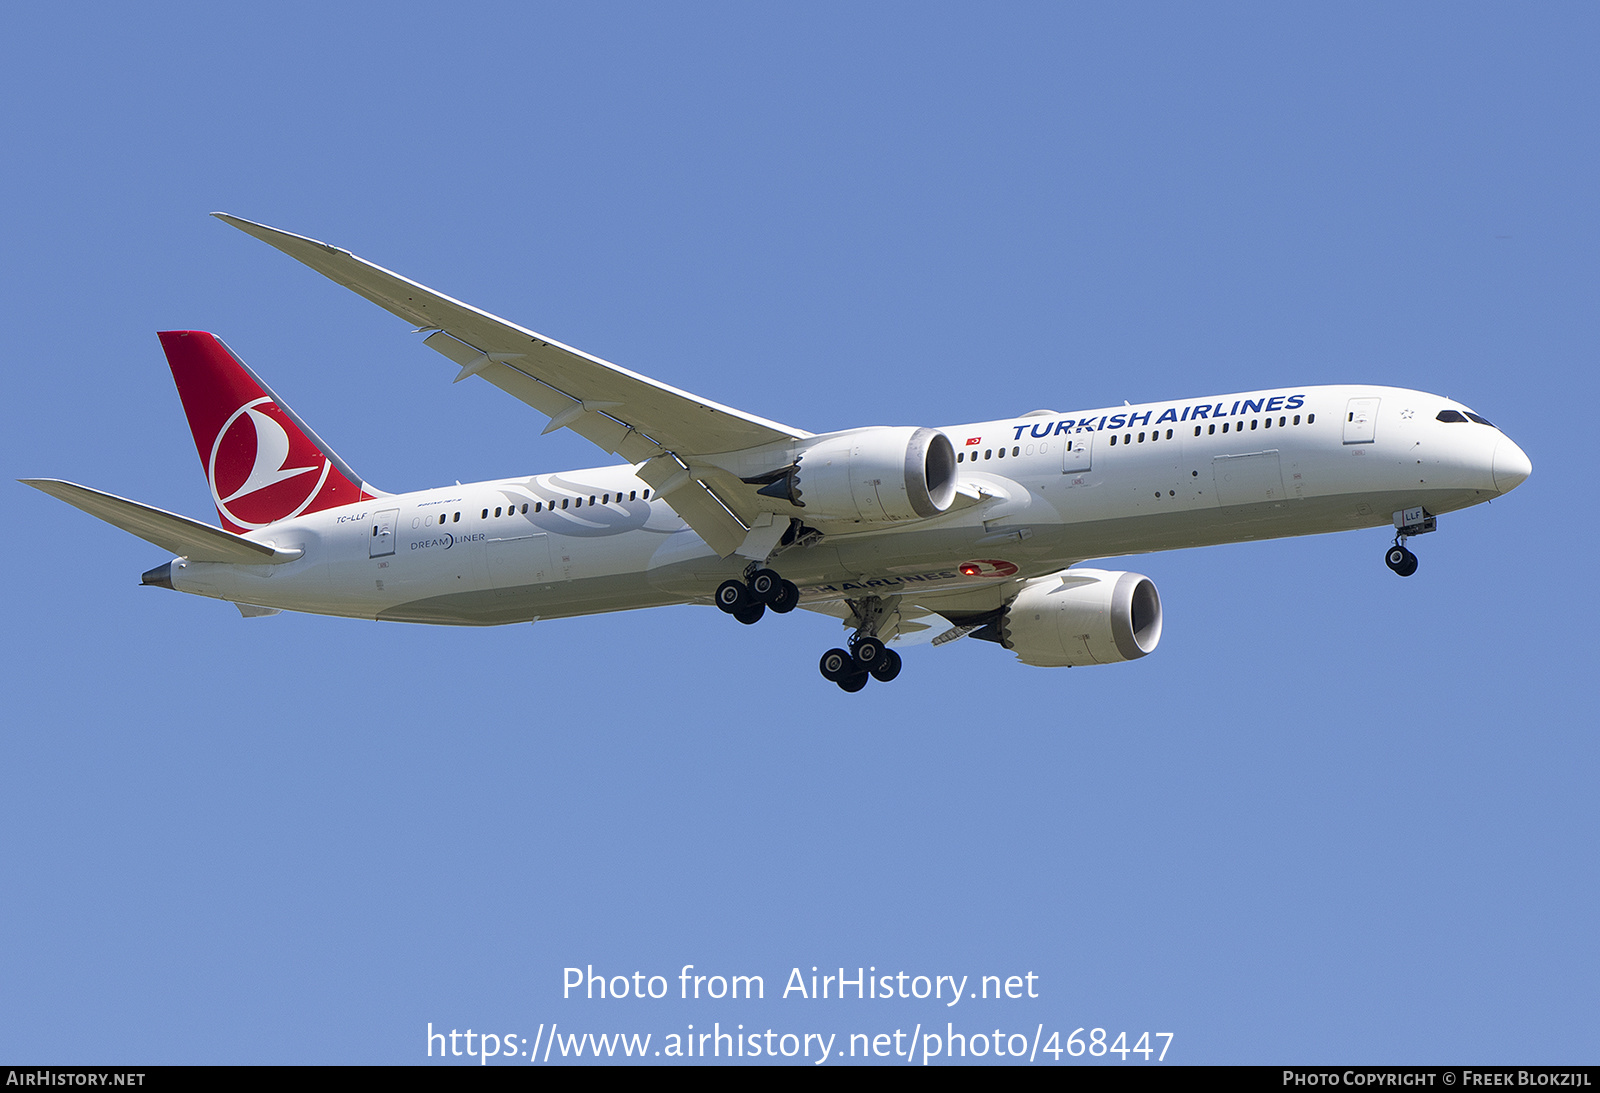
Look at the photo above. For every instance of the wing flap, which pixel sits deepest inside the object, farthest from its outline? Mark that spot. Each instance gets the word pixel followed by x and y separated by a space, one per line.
pixel 693 500
pixel 173 533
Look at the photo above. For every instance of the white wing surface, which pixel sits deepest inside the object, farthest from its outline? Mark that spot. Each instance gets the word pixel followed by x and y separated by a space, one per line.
pixel 173 533
pixel 636 417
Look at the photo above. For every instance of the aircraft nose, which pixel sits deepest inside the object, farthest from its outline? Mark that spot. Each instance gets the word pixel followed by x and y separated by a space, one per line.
pixel 1511 466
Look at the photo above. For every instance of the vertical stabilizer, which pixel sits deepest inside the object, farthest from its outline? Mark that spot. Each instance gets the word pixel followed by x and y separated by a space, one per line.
pixel 262 462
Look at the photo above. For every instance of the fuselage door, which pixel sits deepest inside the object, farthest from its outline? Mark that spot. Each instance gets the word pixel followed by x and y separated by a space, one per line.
pixel 1247 479
pixel 383 533
pixel 1361 421
pixel 520 560
pixel 1076 453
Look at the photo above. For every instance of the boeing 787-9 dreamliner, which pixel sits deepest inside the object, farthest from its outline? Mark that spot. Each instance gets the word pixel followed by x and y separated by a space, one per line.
pixel 976 529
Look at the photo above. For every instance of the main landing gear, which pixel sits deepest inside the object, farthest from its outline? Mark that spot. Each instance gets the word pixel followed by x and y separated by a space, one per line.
pixel 748 600
pixel 867 655
pixel 875 619
pixel 1407 522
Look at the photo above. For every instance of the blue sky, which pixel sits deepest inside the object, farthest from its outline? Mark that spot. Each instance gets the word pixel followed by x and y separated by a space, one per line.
pixel 1337 816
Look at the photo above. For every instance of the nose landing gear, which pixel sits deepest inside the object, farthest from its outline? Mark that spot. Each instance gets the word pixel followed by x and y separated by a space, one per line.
pixel 1407 522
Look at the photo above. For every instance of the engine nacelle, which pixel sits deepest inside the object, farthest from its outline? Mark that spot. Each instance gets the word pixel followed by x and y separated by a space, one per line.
pixel 877 475
pixel 1083 616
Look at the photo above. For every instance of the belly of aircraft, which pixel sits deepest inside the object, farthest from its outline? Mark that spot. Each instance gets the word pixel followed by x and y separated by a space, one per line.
pixel 927 561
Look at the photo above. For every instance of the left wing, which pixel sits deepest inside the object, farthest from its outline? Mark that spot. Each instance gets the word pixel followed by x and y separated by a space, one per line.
pixel 636 417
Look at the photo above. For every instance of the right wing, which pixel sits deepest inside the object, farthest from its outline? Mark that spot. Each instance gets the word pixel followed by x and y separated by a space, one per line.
pixel 173 533
pixel 636 417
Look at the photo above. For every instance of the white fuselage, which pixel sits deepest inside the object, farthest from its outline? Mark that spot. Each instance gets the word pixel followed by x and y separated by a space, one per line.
pixel 1041 492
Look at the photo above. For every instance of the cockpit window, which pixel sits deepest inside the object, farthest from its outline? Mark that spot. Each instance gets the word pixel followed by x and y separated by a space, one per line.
pixel 1481 421
pixel 1450 415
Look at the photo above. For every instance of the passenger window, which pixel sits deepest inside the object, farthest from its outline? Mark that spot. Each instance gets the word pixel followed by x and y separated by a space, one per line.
pixel 1297 419
pixel 1253 424
pixel 497 512
pixel 1169 434
pixel 1014 451
pixel 1211 431
pixel 1002 454
pixel 1113 440
pixel 485 515
pixel 647 495
pixel 457 518
pixel 1267 424
pixel 1311 419
pixel 591 499
pixel 1127 438
pixel 988 453
pixel 605 499
pixel 538 506
pixel 1197 430
pixel 577 503
pixel 565 501
pixel 630 495
pixel 1224 426
pixel 1141 438
pixel 524 508
pixel 1282 421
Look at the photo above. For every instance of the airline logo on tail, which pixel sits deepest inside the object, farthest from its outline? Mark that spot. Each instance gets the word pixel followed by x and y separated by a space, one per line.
pixel 262 462
pixel 256 485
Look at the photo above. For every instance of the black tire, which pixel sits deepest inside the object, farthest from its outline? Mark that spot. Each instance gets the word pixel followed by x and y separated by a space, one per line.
pixel 764 585
pixel 850 684
pixel 787 598
pixel 1396 557
pixel 887 668
pixel 869 651
pixel 750 615
pixel 1408 566
pixel 733 596
pixel 836 664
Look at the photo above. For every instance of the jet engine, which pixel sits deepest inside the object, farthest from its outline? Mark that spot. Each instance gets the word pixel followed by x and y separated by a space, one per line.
pixel 874 476
pixel 1083 616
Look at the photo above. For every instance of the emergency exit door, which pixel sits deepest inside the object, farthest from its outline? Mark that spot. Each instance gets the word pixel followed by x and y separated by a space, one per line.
pixel 1361 421
pixel 383 533
pixel 1078 453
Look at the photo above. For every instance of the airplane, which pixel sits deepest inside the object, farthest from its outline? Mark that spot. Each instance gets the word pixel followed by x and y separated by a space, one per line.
pixel 976 530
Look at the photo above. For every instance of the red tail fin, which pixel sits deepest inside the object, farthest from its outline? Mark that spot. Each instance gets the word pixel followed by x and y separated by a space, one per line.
pixel 262 462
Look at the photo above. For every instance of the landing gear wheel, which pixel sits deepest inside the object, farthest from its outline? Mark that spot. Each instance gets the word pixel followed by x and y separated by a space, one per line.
pixel 887 668
pixel 869 652
pixel 786 599
pixel 852 683
pixel 764 585
pixel 733 596
pixel 1401 560
pixel 752 614
pixel 836 664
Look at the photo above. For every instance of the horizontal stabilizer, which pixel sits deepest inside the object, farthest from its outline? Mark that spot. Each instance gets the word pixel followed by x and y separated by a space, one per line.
pixel 173 533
